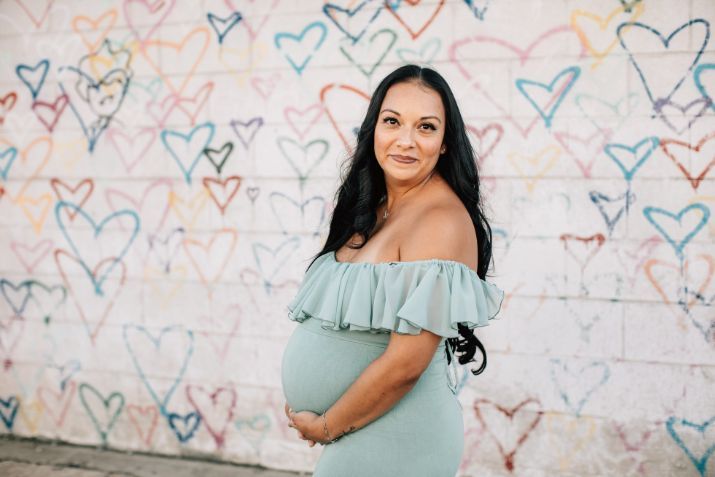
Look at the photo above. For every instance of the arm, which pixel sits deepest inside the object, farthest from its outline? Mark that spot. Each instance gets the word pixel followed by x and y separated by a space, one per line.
pixel 382 384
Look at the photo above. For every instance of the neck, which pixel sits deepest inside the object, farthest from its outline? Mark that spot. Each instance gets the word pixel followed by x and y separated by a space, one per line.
pixel 397 194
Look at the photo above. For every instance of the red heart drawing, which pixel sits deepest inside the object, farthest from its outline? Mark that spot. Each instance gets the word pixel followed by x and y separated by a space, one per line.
pixel 93 309
pixel 222 191
pixel 265 85
pixel 582 249
pixel 307 117
pixel 43 15
pixel 703 156
pixel 152 14
pixel 144 419
pixel 77 195
pixel 131 146
pixel 152 205
pixel 49 113
pixel 30 256
pixel 583 150
pixel 484 409
pixel 216 409
pixel 487 139
pixel 417 23
pixel 57 403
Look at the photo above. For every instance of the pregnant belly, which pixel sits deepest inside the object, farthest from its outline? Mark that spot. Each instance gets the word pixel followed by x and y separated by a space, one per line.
pixel 317 368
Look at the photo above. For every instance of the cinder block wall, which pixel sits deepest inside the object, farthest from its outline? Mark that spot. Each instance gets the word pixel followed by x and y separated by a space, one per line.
pixel 168 168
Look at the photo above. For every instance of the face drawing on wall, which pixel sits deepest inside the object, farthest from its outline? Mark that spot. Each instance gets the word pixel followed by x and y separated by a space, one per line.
pixel 409 132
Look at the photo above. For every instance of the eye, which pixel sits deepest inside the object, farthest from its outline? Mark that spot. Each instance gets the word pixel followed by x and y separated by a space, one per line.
pixel 429 126
pixel 388 119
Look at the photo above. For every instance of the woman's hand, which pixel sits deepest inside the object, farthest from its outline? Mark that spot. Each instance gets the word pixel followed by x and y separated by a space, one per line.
pixel 306 423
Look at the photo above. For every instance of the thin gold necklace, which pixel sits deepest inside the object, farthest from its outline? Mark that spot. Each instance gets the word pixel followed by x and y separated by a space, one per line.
pixel 386 213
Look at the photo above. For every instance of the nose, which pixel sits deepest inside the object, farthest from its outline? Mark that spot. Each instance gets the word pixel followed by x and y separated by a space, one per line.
pixel 406 138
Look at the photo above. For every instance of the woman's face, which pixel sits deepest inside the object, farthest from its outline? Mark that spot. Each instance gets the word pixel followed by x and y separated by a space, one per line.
pixel 410 126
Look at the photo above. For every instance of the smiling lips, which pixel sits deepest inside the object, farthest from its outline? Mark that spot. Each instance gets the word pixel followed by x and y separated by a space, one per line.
pixel 403 159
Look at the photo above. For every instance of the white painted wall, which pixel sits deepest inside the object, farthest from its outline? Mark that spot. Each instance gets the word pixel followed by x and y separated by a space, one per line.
pixel 143 294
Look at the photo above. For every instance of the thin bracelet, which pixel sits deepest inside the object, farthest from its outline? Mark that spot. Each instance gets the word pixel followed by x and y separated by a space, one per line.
pixel 325 428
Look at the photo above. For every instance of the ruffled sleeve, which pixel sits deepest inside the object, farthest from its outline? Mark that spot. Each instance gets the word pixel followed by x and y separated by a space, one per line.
pixel 405 297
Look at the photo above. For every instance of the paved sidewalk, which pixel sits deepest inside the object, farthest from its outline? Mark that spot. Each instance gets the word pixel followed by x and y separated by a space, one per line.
pixel 25 458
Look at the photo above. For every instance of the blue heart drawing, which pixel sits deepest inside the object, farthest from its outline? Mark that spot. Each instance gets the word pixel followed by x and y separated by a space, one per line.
pixel 601 201
pixel 332 11
pixel 307 56
pixel 162 401
pixel 478 12
pixel 697 76
pixel 311 211
pixel 76 211
pixel 102 427
pixel 573 403
pixel 10 152
pixel 657 102
pixel 206 130
pixel 628 5
pixel 44 297
pixel 66 371
pixel 189 423
pixel 425 55
pixel 270 260
pixel 641 152
pixel 28 75
pixel 572 71
pixel 613 110
pixel 649 213
pixel 701 462
pixel 8 411
pixel 223 25
pixel 17 308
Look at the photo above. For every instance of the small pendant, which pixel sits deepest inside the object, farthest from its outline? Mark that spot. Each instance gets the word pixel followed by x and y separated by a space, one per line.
pixel 384 216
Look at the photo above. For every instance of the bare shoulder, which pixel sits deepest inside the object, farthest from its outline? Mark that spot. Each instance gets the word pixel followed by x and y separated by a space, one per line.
pixel 441 229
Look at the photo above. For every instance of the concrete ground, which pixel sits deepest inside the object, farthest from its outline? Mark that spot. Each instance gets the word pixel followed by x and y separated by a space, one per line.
pixel 26 458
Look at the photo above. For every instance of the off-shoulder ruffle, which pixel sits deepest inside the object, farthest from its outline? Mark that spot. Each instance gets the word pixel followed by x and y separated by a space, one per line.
pixel 405 297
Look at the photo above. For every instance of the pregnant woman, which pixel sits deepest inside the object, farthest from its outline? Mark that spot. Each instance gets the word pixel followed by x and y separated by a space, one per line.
pixel 390 302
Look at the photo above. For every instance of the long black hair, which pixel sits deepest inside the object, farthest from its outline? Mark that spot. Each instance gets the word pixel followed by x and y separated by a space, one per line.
pixel 363 187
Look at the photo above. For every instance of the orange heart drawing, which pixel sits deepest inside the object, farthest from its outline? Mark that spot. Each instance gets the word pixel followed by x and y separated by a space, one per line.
pixel 31 160
pixel 36 209
pixel 678 278
pixel 188 211
pixel 605 33
pixel 212 261
pixel 189 51
pixel 538 164
pixel 339 107
pixel 87 28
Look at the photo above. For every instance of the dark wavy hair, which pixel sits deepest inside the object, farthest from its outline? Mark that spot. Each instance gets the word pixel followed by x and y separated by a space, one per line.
pixel 363 187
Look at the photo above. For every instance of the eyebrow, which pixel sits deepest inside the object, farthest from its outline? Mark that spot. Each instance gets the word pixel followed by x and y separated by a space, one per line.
pixel 423 117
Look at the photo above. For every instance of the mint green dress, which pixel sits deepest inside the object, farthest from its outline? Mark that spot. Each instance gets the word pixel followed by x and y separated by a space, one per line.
pixel 346 312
